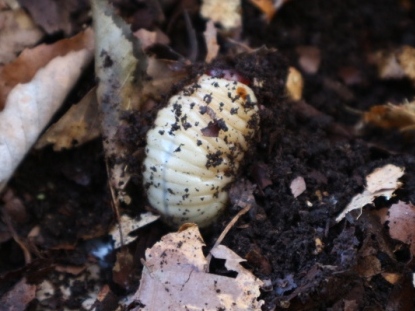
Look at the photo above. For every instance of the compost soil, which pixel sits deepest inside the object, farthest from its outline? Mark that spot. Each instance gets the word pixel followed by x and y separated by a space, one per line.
pixel 307 260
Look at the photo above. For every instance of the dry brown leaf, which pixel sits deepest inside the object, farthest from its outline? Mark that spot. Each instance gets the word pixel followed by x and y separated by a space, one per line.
pixel 267 7
pixel 309 58
pixel 295 84
pixel 396 64
pixel 79 125
pixel 174 277
pixel 390 116
pixel 402 223
pixel 226 13
pixel 128 225
pixel 210 41
pixel 54 16
pixel 383 181
pixel 24 68
pixel 148 38
pixel 30 106
pixel 17 31
pixel 18 297
pixel 298 186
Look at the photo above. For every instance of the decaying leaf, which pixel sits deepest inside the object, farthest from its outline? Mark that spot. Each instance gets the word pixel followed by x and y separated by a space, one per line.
pixel 383 181
pixel 128 225
pixel 54 16
pixel 211 42
pixel 295 84
pixel 17 31
pixel 148 38
pixel 18 297
pixel 226 13
pixel 30 106
pixel 298 186
pixel 120 66
pixel 396 64
pixel 390 116
pixel 174 278
pixel 401 223
pixel 24 68
pixel 268 7
pixel 79 125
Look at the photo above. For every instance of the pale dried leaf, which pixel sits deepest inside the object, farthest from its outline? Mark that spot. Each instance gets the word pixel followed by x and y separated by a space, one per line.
pixel 17 31
pixel 148 38
pixel 174 277
pixel 120 66
pixel 390 116
pixel 226 13
pixel 129 225
pixel 384 178
pixel 30 107
pixel 24 68
pixel 402 223
pixel 79 125
pixel 396 64
pixel 298 186
pixel 294 84
pixel 309 58
pixel 18 297
pixel 210 41
pixel 383 181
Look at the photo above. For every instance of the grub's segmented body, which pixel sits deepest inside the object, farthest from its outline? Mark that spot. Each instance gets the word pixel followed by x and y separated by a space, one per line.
pixel 194 150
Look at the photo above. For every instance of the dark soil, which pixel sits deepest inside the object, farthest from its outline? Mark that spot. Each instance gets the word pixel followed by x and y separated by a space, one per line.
pixel 66 193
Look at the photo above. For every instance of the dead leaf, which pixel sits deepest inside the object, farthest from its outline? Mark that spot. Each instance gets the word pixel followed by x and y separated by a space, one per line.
pixel 309 58
pixel 18 297
pixel 210 41
pixel 298 186
pixel 17 31
pixel 129 225
pixel 226 13
pixel 390 116
pixel 24 68
pixel 79 125
pixel 148 38
pixel 294 84
pixel 120 66
pixel 383 181
pixel 267 7
pixel 54 16
pixel 401 224
pixel 174 277
pixel 396 64
pixel 30 106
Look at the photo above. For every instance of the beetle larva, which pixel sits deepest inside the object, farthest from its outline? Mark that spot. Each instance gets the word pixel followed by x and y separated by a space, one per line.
pixel 195 148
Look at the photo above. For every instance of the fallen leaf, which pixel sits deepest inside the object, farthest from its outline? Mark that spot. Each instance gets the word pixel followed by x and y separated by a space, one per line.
pixel 120 65
pixel 129 225
pixel 267 7
pixel 210 41
pixel 148 38
pixel 226 13
pixel 383 181
pixel 295 84
pixel 54 16
pixel 30 106
pixel 24 68
pixel 18 297
pixel 174 277
pixel 396 64
pixel 78 125
pixel 17 31
pixel 298 186
pixel 309 58
pixel 390 116
pixel 401 223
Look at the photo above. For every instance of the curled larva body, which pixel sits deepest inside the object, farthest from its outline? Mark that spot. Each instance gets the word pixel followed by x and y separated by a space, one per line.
pixel 195 148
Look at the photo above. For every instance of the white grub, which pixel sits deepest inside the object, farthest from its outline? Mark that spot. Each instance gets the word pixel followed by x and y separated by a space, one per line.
pixel 195 148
